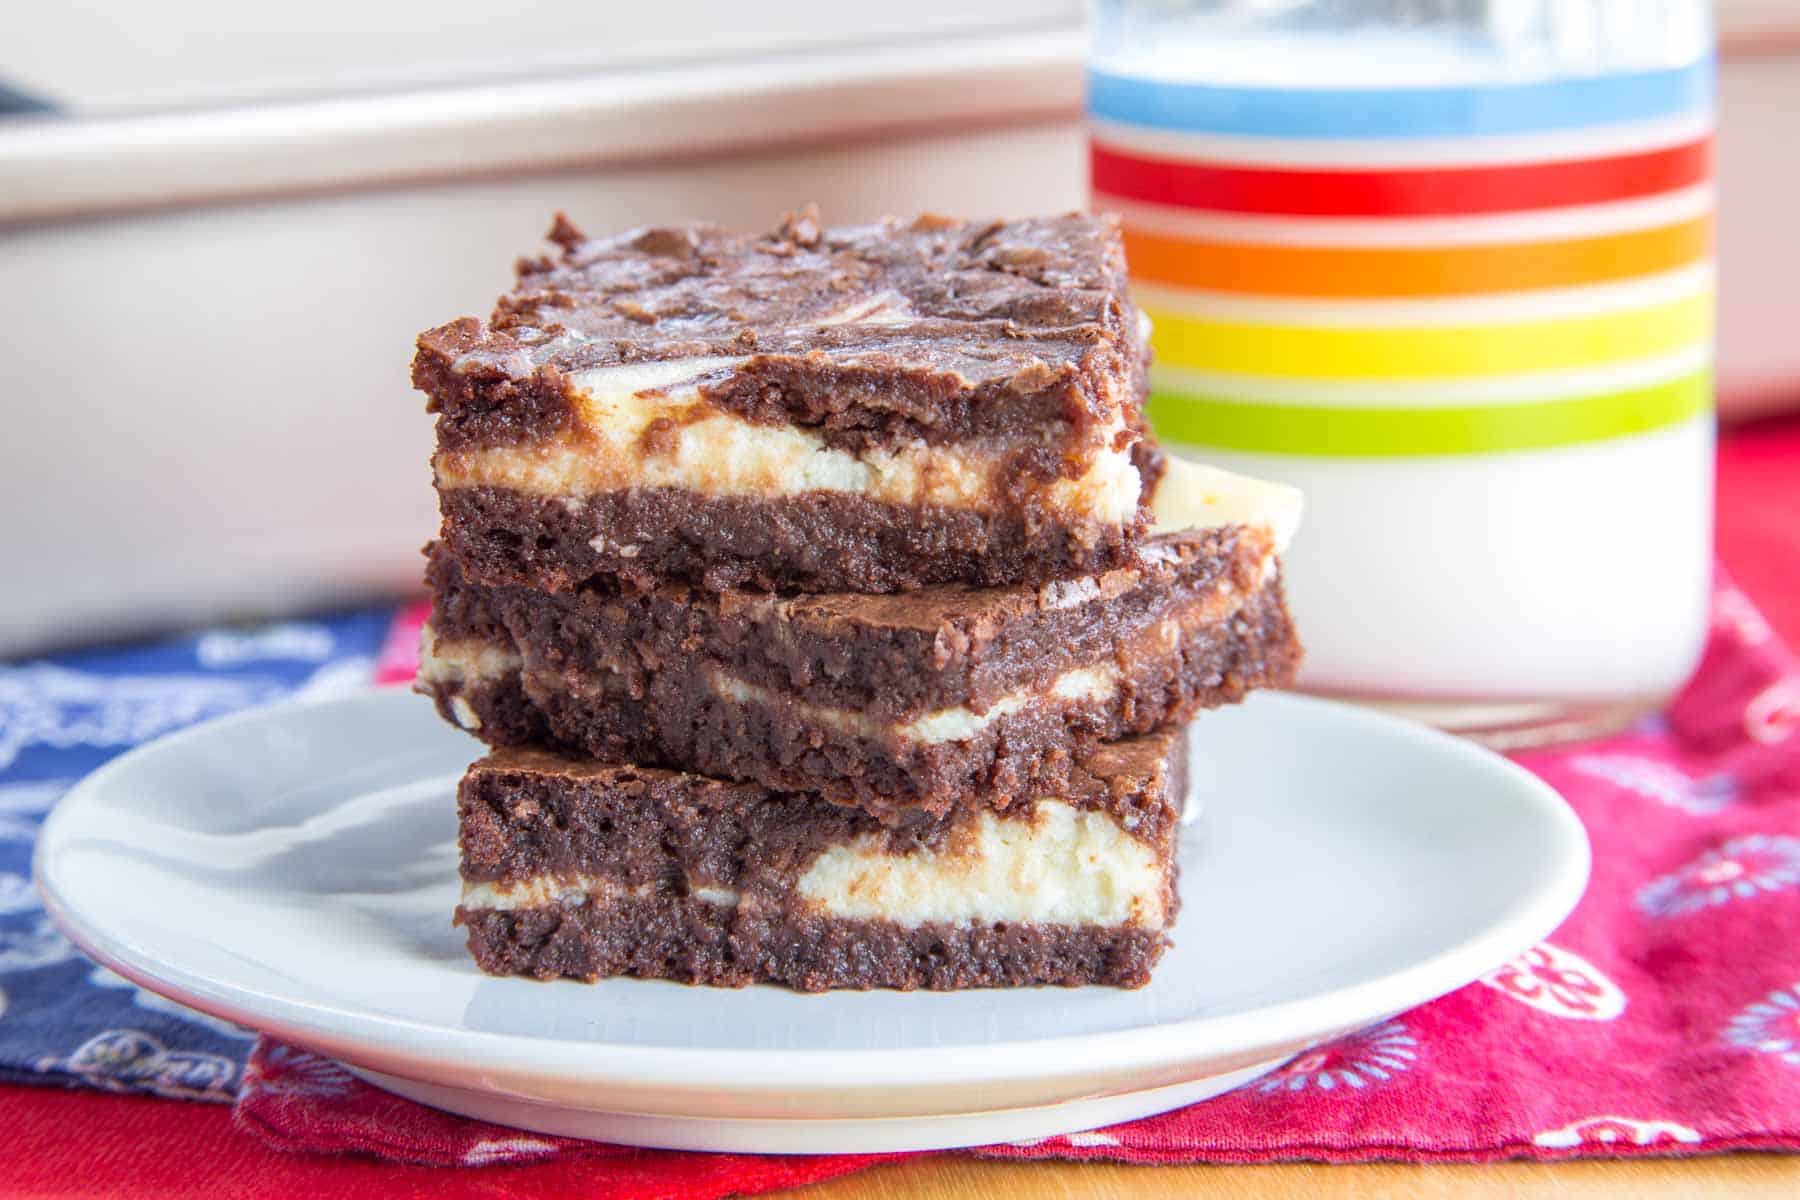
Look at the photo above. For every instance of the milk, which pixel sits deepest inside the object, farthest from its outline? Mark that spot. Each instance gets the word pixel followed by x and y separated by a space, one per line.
pixel 1575 574
pixel 1453 278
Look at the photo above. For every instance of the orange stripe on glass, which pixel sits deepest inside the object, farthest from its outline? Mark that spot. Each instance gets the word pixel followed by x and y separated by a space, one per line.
pixel 1375 271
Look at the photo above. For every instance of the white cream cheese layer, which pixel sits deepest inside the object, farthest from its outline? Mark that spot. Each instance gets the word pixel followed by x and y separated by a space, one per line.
pixel 1097 683
pixel 544 890
pixel 1068 866
pixel 452 664
pixel 463 660
pixel 1063 866
pixel 1192 495
pixel 701 448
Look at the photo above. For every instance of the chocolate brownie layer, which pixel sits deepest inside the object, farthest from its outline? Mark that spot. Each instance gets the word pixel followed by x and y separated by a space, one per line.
pixel 888 702
pixel 572 868
pixel 818 541
pixel 865 409
pixel 694 941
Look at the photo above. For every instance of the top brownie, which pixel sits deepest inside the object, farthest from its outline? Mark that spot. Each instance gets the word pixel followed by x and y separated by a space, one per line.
pixel 871 408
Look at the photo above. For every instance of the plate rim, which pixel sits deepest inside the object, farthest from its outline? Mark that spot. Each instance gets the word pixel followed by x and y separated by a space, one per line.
pixel 1015 1061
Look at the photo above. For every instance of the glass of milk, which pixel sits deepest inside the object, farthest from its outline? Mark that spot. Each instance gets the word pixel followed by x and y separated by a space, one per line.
pixel 1448 268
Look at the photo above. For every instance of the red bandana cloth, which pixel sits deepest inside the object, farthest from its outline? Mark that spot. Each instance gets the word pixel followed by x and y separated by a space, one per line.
pixel 1662 1018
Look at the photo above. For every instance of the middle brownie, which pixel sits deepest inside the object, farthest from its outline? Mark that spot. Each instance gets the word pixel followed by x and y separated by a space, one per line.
pixel 894 703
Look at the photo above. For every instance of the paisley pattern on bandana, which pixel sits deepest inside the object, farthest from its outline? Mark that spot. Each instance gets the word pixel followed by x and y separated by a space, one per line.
pixel 66 1020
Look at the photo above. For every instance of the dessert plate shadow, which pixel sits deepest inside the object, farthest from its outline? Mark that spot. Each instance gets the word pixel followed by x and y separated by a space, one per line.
pixel 294 869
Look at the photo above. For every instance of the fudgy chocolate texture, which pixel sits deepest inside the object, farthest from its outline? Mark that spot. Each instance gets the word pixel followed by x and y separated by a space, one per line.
pixel 636 678
pixel 890 657
pixel 1016 337
pixel 526 812
pixel 934 329
pixel 817 542
pixel 500 707
pixel 692 941
pixel 661 840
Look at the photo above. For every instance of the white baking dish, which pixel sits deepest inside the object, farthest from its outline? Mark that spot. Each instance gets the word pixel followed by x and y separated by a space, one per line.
pixel 208 312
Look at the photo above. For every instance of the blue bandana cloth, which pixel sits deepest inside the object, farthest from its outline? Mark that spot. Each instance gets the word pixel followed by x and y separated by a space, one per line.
pixel 64 1019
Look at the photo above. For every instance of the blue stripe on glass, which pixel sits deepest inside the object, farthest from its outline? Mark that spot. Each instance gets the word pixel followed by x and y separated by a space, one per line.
pixel 1400 112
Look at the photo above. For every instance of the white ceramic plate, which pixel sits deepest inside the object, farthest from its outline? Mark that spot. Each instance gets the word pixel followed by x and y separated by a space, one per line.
pixel 294 869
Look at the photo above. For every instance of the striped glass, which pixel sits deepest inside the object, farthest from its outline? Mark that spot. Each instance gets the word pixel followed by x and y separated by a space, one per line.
pixel 1450 271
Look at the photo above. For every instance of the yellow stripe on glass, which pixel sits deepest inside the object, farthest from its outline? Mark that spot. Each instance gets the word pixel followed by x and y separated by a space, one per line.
pixel 1431 351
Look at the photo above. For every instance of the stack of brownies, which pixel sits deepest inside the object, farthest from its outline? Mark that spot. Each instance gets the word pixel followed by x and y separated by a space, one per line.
pixel 811 587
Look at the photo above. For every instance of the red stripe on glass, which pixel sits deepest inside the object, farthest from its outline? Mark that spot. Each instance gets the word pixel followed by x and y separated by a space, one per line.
pixel 1405 192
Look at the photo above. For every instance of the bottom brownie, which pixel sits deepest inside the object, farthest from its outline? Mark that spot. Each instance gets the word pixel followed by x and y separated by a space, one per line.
pixel 583 870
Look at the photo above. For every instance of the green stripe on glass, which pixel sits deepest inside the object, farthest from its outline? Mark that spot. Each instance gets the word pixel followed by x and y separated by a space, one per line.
pixel 1234 424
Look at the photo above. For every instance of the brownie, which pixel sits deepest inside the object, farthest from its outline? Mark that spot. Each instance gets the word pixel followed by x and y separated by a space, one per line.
pixel 891 702
pixel 871 409
pixel 832 613
pixel 578 869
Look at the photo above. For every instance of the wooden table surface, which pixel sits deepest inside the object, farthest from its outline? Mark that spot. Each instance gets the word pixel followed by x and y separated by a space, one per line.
pixel 1740 1176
